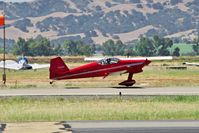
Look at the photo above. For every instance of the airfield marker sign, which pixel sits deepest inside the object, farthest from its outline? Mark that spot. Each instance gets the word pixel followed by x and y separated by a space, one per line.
pixel 2 20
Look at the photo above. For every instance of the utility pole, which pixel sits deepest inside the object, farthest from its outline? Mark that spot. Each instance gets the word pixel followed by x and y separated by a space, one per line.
pixel 4 54
pixel 4 46
pixel 2 23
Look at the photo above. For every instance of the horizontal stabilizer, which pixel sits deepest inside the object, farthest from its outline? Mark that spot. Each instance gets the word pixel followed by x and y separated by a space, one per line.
pixel 38 66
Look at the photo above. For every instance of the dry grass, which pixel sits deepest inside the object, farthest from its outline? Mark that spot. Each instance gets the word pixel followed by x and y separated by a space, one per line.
pixel 153 76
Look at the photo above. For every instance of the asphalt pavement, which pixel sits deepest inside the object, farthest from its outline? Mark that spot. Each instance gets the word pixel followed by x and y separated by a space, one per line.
pixel 134 91
pixel 139 130
pixel 180 126
pixel 134 126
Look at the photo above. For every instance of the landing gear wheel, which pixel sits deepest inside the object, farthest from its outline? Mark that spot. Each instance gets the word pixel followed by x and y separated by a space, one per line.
pixel 51 82
pixel 129 81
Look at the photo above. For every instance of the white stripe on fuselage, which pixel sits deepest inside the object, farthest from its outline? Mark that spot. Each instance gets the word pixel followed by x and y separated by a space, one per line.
pixel 100 70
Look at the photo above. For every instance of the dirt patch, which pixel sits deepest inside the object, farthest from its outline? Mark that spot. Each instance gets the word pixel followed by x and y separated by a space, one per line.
pixel 35 127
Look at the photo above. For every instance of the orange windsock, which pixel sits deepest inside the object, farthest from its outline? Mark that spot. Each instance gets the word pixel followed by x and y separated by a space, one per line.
pixel 2 20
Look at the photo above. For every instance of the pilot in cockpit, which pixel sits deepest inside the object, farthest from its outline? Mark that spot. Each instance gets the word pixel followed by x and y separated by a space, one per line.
pixel 108 61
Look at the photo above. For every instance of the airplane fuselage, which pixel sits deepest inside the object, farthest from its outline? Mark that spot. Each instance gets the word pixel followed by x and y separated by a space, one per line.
pixel 100 69
pixel 24 65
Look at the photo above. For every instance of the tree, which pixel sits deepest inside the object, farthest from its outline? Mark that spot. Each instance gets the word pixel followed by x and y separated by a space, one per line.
pixel 176 52
pixel 130 50
pixel 162 45
pixel 145 47
pixel 87 50
pixel 78 48
pixel 58 50
pixel 40 47
pixel 34 47
pixel 21 47
pixel 167 43
pixel 70 47
pixel 113 48
pixel 108 47
pixel 196 45
pixel 120 48
pixel 1 50
pixel 153 47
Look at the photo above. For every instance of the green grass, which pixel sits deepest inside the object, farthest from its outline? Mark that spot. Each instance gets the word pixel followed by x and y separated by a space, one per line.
pixel 23 109
pixel 184 48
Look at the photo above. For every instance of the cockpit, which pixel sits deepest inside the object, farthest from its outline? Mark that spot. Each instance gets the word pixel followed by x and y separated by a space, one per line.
pixel 22 60
pixel 108 61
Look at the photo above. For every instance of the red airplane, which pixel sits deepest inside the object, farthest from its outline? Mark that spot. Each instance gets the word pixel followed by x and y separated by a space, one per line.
pixel 100 68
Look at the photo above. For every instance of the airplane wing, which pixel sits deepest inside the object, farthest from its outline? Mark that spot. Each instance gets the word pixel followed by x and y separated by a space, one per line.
pixel 10 64
pixel 39 66
pixel 136 58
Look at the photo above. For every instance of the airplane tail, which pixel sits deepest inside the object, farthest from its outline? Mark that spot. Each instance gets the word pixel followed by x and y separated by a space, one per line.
pixel 57 68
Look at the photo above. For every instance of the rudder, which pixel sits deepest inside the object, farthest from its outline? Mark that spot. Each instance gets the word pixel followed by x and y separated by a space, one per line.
pixel 57 67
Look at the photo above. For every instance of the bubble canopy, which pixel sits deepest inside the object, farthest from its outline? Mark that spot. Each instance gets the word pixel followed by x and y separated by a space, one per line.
pixel 108 61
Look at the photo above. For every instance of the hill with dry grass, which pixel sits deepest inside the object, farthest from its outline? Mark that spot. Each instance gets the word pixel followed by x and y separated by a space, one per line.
pixel 96 21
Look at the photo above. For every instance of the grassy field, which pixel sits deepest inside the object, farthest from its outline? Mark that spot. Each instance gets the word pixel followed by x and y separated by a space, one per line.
pixel 155 75
pixel 184 48
pixel 23 109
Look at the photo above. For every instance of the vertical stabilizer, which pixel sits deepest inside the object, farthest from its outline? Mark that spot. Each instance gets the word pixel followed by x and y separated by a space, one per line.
pixel 57 68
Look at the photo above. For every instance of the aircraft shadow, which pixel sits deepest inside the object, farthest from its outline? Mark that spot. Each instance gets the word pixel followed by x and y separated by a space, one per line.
pixel 68 88
pixel 134 87
pixel 117 87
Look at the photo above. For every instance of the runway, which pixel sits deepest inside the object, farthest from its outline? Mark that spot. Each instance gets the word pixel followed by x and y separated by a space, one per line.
pixel 135 126
pixel 105 127
pixel 100 91
pixel 139 130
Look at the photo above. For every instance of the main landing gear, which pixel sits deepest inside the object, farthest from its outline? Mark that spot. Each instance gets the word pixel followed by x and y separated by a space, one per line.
pixel 129 81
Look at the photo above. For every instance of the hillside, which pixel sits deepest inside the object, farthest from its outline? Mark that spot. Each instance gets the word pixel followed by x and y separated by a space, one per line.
pixel 95 21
